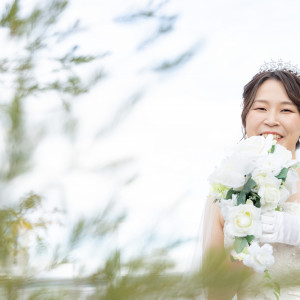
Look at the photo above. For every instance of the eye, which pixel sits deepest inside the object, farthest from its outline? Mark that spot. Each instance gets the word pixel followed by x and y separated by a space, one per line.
pixel 260 108
pixel 286 110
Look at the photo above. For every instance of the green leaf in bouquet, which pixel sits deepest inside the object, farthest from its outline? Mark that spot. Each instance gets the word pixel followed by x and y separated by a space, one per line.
pixel 276 295
pixel 239 244
pixel 250 238
pixel 232 258
pixel 250 184
pixel 272 150
pixel 257 203
pixel 267 275
pixel 255 198
pixel 230 193
pixel 283 174
pixel 278 208
pixel 277 287
pixel 241 198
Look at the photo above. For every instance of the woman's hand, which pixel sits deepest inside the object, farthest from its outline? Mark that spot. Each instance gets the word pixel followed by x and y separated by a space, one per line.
pixel 280 227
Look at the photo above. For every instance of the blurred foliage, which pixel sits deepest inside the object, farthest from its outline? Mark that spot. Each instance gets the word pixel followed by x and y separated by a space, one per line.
pixel 15 224
pixel 153 11
pixel 24 226
pixel 34 33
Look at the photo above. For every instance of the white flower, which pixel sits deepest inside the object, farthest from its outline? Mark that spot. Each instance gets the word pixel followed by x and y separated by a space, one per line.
pixel 226 205
pixel 259 258
pixel 264 175
pixel 228 174
pixel 291 181
pixel 255 145
pixel 270 193
pixel 275 162
pixel 281 158
pixel 241 162
pixel 218 191
pixel 243 220
pixel 284 194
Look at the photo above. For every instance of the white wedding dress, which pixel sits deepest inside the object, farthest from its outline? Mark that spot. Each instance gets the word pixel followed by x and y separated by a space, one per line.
pixel 287 258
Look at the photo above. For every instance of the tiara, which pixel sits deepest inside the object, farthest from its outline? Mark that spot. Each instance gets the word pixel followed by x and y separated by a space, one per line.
pixel 279 65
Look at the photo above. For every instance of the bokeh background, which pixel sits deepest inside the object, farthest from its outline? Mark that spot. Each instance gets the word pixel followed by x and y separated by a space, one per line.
pixel 130 103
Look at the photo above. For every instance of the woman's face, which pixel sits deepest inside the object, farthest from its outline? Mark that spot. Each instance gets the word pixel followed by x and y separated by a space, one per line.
pixel 272 112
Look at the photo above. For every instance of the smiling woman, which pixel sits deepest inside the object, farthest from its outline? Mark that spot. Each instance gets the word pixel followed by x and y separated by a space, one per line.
pixel 271 106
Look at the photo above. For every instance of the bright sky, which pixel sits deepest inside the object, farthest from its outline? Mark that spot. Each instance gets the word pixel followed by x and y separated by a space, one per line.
pixel 177 133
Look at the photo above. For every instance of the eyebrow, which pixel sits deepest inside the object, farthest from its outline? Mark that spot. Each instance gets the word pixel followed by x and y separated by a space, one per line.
pixel 282 102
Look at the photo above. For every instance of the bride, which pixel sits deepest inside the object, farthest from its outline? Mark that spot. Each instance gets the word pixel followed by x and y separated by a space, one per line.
pixel 271 105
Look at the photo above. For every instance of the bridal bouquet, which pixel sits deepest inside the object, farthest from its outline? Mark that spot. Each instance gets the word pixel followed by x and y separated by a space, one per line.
pixel 257 176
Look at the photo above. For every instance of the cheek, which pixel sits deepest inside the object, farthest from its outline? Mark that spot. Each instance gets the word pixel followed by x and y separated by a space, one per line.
pixel 294 125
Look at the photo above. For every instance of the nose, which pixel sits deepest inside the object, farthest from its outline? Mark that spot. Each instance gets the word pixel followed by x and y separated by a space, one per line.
pixel 271 119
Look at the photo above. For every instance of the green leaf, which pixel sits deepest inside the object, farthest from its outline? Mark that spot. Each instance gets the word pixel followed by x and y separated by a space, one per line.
pixel 232 258
pixel 257 203
pixel 249 185
pixel 250 238
pixel 255 198
pixel 277 287
pixel 239 244
pixel 267 274
pixel 283 174
pixel 272 149
pixel 277 208
pixel 229 194
pixel 241 198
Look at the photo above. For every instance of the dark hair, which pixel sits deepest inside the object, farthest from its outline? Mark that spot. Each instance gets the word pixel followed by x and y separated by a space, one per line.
pixel 290 82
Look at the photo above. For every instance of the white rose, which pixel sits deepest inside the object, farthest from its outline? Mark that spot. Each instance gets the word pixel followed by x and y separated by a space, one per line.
pixel 243 220
pixel 244 162
pixel 269 165
pixel 291 181
pixel 275 162
pixel 259 258
pixel 284 194
pixel 226 205
pixel 255 145
pixel 228 174
pixel 270 195
pixel 282 158
pixel 263 175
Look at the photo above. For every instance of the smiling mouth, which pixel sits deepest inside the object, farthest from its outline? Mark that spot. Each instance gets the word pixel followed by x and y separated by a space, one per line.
pixel 275 136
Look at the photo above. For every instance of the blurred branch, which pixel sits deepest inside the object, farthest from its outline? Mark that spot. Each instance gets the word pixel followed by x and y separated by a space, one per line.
pixel 121 114
pixel 181 59
pixel 150 11
pixel 165 23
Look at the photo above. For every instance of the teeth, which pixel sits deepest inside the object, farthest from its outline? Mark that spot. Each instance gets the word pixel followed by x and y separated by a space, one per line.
pixel 275 136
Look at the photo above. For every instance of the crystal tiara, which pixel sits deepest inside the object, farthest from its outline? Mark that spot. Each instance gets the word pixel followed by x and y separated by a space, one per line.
pixel 279 66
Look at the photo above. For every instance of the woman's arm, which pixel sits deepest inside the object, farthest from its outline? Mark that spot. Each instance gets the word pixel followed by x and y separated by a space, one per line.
pixel 213 235
pixel 223 282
